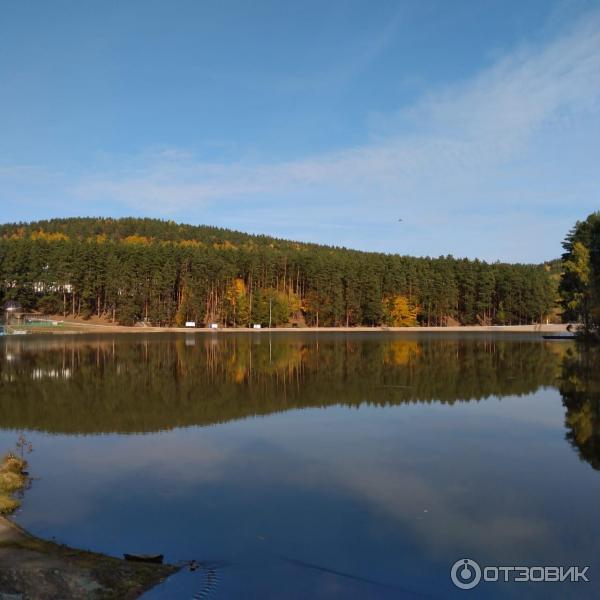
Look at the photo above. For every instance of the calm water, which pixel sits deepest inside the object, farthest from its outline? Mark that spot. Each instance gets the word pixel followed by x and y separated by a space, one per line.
pixel 313 466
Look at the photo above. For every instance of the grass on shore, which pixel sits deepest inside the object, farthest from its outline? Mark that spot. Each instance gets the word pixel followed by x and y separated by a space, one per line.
pixel 12 479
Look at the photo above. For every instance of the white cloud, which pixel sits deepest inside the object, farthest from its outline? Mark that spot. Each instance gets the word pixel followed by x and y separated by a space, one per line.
pixel 457 160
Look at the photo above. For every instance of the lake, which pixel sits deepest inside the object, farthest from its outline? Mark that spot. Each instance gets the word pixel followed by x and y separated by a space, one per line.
pixel 328 465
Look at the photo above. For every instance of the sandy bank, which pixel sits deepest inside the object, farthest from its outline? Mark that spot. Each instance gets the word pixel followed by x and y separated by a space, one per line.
pixel 70 326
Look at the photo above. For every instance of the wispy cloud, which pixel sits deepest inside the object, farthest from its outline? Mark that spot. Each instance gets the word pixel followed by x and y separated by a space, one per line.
pixel 459 159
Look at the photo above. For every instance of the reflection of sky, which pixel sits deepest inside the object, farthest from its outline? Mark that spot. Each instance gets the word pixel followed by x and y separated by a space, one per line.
pixel 393 495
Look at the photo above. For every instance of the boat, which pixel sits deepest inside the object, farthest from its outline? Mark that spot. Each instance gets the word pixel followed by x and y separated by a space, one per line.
pixel 149 558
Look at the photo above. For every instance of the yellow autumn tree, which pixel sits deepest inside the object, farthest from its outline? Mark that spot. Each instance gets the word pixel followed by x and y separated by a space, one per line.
pixel 399 312
pixel 137 240
pixel 48 236
pixel 237 303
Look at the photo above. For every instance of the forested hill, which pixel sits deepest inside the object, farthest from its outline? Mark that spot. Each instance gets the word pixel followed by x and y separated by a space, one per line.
pixel 165 273
pixel 119 230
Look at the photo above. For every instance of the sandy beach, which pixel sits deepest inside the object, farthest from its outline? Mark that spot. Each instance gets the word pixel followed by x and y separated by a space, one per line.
pixel 81 326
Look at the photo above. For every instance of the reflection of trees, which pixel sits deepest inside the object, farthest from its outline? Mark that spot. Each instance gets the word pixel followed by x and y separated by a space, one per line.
pixel 132 384
pixel 580 390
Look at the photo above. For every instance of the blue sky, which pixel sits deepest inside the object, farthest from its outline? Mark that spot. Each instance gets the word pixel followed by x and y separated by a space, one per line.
pixel 477 123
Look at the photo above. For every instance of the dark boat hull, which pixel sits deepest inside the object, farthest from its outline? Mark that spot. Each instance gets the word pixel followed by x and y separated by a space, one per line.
pixel 148 558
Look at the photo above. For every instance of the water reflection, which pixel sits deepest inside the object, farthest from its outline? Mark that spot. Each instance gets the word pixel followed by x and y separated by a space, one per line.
pixel 133 384
pixel 394 468
pixel 580 390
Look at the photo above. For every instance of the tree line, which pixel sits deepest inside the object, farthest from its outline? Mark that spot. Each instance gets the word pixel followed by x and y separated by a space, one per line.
pixel 580 280
pixel 129 270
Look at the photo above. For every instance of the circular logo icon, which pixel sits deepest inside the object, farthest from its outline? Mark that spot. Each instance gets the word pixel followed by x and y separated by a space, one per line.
pixel 465 573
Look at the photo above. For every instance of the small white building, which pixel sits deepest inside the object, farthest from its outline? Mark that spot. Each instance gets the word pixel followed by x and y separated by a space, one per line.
pixel 190 323
pixel 257 326
pixel 214 326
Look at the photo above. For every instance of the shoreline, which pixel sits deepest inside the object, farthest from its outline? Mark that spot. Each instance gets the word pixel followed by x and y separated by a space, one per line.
pixel 31 567
pixel 75 327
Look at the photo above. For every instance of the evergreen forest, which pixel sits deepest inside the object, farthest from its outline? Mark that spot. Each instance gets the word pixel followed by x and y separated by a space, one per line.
pixel 133 270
